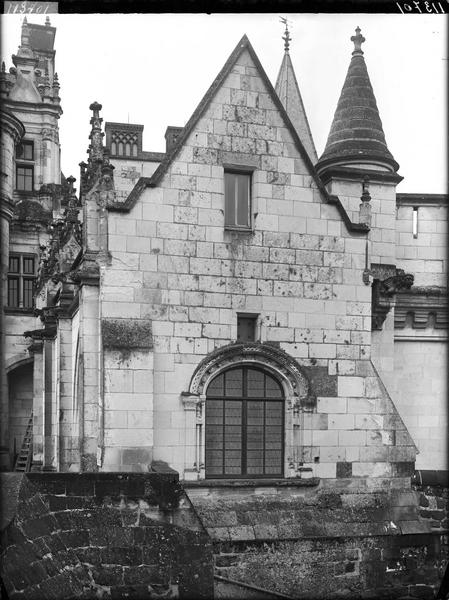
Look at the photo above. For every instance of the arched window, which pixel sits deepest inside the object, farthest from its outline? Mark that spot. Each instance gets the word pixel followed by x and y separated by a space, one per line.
pixel 113 148
pixel 134 149
pixel 120 148
pixel 244 428
pixel 128 149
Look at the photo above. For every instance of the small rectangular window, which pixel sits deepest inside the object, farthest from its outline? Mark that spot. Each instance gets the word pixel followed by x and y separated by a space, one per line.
pixel 25 150
pixel 21 278
pixel 246 328
pixel 237 200
pixel 24 178
pixel 415 222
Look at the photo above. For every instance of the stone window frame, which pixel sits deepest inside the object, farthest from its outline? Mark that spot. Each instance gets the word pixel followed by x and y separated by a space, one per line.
pixel 249 317
pixel 21 147
pixel 27 164
pixel 243 398
pixel 298 397
pixel 20 276
pixel 240 169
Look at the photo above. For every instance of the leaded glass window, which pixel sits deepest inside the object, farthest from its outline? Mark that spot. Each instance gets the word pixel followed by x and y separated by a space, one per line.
pixel 244 425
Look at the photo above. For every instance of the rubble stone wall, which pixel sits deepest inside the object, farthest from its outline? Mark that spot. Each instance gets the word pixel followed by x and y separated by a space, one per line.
pixel 111 536
pixel 309 543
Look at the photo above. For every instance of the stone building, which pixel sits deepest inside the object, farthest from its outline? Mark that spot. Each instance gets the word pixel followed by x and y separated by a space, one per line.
pixel 265 322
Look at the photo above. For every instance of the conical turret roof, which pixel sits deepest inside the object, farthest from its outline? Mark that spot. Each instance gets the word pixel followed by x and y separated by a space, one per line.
pixel 287 89
pixel 356 135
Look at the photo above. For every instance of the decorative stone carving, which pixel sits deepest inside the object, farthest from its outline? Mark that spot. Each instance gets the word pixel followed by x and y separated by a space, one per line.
pixel 388 280
pixel 268 356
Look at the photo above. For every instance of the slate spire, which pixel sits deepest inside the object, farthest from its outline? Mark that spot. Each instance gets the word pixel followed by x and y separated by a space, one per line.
pixel 356 136
pixel 287 89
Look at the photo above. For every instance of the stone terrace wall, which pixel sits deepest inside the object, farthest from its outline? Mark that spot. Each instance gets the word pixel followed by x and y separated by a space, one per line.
pixel 433 489
pixel 101 535
pixel 322 545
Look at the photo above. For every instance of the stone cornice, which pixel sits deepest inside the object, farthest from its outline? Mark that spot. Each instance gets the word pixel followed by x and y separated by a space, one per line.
pixel 422 199
pixel 52 108
pixel 421 307
pixel 357 174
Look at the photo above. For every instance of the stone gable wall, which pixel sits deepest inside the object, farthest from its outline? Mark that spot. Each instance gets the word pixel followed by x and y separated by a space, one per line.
pixel 174 264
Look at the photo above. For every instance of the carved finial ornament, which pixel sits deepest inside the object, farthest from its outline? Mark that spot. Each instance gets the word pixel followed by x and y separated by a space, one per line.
pixel 365 190
pixel 25 36
pixel 358 40
pixel 96 136
pixel 286 37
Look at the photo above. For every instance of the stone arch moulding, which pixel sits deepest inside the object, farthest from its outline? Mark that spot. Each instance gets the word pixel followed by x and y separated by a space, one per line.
pixel 298 397
pixel 296 385
pixel 18 360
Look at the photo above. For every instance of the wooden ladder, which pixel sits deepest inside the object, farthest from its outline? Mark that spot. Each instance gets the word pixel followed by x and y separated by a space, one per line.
pixel 24 458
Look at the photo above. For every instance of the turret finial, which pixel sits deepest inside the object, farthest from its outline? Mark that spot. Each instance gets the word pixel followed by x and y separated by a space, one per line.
pixel 25 37
pixel 358 40
pixel 286 37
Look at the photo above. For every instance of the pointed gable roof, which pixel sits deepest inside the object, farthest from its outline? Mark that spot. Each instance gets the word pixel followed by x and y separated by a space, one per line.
pixel 356 134
pixel 287 89
pixel 170 156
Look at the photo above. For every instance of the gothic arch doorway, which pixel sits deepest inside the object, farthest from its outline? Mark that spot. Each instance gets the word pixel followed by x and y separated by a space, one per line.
pixel 244 425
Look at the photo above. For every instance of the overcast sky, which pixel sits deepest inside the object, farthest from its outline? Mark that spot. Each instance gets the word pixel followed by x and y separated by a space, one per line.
pixel 154 69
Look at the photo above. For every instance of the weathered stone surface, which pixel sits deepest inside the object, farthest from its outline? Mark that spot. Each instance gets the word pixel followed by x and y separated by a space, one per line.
pixel 127 333
pixel 123 543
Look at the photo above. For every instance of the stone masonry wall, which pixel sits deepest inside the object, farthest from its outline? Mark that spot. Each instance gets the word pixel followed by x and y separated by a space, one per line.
pixel 426 255
pixel 299 269
pixel 383 215
pixel 127 172
pixel 420 392
pixel 322 544
pixel 91 536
